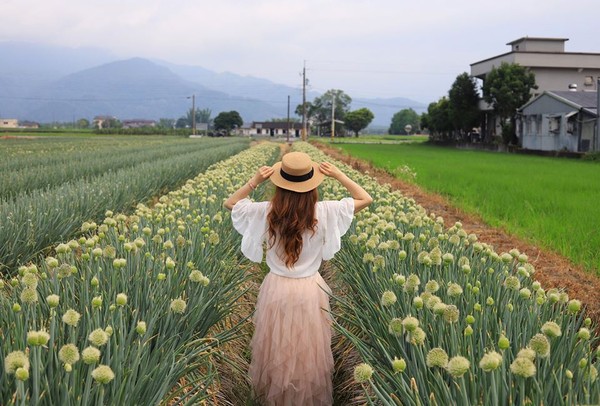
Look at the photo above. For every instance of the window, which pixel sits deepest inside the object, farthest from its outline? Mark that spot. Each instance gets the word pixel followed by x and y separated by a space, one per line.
pixel 554 124
pixel 570 117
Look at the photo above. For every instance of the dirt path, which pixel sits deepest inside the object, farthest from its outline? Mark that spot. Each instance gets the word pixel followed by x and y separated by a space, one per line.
pixel 552 269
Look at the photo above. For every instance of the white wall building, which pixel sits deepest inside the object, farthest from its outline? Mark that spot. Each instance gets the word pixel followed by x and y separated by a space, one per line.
pixel 554 69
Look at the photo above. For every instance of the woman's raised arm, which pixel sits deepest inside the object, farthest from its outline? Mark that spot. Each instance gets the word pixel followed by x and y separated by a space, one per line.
pixel 361 198
pixel 263 173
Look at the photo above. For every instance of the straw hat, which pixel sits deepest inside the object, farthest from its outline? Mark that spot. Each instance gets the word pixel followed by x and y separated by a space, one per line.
pixel 297 172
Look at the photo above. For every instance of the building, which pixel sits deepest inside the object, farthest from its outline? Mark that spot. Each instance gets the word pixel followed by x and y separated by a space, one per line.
pixel 270 128
pixel 559 121
pixel 99 121
pixel 28 124
pixel 138 123
pixel 9 123
pixel 554 69
pixel 324 128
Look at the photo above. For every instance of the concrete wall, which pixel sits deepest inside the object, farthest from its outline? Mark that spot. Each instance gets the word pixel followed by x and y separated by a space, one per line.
pixel 560 79
pixel 9 123
pixel 587 134
pixel 553 71
pixel 539 45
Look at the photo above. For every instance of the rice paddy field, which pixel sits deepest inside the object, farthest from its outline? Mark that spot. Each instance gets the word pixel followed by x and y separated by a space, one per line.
pixel 139 304
pixel 377 139
pixel 550 201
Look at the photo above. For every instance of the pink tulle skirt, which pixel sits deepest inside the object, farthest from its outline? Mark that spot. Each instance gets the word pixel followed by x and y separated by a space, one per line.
pixel 292 362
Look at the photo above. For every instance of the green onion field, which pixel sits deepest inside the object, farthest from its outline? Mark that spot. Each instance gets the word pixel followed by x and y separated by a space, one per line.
pixel 122 280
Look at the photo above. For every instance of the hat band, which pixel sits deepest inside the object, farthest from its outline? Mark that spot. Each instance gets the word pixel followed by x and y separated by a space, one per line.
pixel 300 178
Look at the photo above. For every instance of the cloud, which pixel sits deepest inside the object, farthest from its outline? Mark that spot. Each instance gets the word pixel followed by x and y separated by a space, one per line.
pixel 375 47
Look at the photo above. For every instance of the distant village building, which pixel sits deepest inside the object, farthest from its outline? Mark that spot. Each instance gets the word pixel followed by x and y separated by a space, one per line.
pixel 9 123
pixel 28 124
pixel 324 128
pixel 270 128
pixel 559 121
pixel 138 123
pixel 100 121
pixel 554 69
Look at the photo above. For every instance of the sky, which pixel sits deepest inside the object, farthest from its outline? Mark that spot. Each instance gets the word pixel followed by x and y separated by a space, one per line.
pixel 368 48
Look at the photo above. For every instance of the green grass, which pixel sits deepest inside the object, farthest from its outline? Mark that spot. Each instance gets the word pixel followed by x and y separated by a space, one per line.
pixel 553 202
pixel 375 139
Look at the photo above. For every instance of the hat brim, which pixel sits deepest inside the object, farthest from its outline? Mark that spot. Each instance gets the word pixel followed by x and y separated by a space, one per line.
pixel 300 187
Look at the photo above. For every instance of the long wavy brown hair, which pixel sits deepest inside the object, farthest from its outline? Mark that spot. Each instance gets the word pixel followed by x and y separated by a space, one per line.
pixel 291 214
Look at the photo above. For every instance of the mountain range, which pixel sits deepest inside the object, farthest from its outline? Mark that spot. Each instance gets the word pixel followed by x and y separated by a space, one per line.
pixel 48 83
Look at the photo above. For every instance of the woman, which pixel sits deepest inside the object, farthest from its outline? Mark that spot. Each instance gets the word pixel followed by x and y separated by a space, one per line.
pixel 292 362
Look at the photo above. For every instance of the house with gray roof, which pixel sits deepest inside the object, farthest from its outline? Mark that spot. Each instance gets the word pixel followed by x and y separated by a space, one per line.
pixel 554 68
pixel 559 121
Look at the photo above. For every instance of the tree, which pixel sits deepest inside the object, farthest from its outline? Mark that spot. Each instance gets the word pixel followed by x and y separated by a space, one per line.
pixel 167 123
pixel 228 121
pixel 437 119
pixel 507 88
pixel 325 102
pixel 358 119
pixel 112 123
pixel 203 115
pixel 284 119
pixel 83 123
pixel 403 118
pixel 464 104
pixel 424 120
pixel 300 111
pixel 319 109
pixel 182 122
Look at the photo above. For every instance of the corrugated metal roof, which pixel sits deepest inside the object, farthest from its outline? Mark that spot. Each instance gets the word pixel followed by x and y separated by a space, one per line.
pixel 587 100
pixel 584 101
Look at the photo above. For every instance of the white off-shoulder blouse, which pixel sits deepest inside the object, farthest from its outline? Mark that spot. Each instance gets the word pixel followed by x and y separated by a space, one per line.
pixel 333 220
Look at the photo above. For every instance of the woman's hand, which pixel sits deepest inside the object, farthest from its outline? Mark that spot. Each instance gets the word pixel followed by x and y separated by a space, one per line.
pixel 330 170
pixel 361 198
pixel 263 173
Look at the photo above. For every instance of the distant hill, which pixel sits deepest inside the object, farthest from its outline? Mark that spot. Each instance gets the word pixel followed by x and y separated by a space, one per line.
pixel 262 89
pixel 47 83
pixel 133 88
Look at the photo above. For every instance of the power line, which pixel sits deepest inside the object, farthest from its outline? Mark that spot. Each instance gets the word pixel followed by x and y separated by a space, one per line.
pixel 391 72
pixel 168 98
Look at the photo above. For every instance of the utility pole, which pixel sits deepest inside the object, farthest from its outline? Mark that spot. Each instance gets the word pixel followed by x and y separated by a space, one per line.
pixel 332 116
pixel 288 120
pixel 304 135
pixel 193 97
pixel 193 114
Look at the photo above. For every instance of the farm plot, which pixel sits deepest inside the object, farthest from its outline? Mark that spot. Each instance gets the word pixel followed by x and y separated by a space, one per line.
pixel 548 201
pixel 439 317
pixel 436 316
pixel 33 220
pixel 136 303
pixel 46 163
